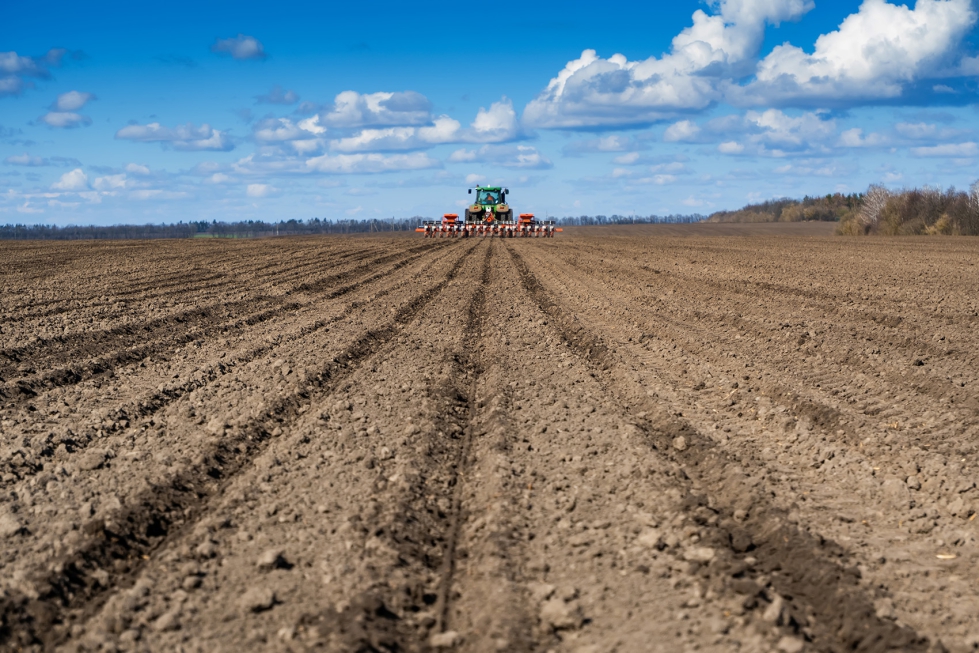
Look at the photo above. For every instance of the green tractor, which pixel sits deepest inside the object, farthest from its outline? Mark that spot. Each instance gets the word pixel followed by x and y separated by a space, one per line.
pixel 490 205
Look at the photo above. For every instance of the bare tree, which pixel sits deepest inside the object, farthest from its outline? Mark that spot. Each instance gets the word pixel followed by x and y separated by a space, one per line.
pixel 873 204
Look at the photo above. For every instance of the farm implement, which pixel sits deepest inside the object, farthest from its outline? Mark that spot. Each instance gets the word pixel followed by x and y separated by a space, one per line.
pixel 491 216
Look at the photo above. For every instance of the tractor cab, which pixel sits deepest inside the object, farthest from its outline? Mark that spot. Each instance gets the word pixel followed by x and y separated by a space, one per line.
pixel 490 205
pixel 490 196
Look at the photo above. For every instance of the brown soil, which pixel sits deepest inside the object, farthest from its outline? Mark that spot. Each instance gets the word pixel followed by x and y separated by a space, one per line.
pixel 621 439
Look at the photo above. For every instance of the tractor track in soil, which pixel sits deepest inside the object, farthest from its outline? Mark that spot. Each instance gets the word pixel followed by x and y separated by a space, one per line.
pixel 118 419
pixel 814 577
pixel 593 443
pixel 175 330
pixel 122 542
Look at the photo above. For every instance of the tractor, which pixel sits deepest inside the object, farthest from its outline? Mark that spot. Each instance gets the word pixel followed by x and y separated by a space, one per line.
pixel 491 216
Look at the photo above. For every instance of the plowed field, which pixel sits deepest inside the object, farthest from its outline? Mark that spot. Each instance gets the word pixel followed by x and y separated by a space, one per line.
pixel 642 440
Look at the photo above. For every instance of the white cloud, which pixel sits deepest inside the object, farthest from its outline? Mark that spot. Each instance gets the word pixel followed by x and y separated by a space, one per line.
pixel 768 133
pixel 874 54
pixel 65 119
pixel 137 169
pixel 14 68
pixel 854 138
pixel 260 190
pixel 279 130
pixel 73 181
pixel 496 124
pixel 962 150
pixel 442 130
pixel 592 91
pixel 312 125
pixel 158 194
pixel 183 137
pixel 474 179
pixel 112 182
pixel 370 163
pixel 278 96
pixel 462 156
pixel 351 109
pixel 627 159
pixel 609 143
pixel 877 53
pixel 922 131
pixel 12 63
pixel 72 101
pixel 509 156
pixel 25 160
pixel 240 47
pixel 778 129
pixel 684 130
pixel 11 86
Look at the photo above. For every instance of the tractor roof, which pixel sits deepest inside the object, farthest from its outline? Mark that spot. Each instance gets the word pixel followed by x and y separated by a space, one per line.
pixel 490 188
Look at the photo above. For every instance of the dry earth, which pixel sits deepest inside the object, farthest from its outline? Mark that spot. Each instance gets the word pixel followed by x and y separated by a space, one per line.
pixel 616 440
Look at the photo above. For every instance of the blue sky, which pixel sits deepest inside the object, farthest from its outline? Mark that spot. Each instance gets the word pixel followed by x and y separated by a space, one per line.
pixel 125 113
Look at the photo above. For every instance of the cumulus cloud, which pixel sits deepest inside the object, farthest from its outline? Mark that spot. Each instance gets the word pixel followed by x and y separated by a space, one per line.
pixel 386 122
pixel 609 143
pixel 183 137
pixel 592 91
pixel 260 190
pixel 957 150
pixel 276 130
pixel 855 138
pixel 923 131
pixel 882 51
pixel 682 131
pixel 875 53
pixel 352 109
pixel 370 163
pixel 278 96
pixel 72 101
pixel 65 119
pixel 25 160
pixel 730 147
pixel 241 47
pixel 113 182
pixel 497 124
pixel 73 181
pixel 509 156
pixel 15 69
pixel 766 133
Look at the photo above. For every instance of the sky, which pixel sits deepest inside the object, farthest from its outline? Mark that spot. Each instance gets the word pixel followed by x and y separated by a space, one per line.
pixel 115 112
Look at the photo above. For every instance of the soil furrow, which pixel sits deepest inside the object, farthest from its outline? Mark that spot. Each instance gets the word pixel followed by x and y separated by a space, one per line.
pixel 18 467
pixel 162 335
pixel 114 551
pixel 811 576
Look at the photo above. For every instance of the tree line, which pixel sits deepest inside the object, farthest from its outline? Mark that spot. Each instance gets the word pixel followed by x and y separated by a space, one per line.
pixel 261 229
pixel 205 229
pixel 929 211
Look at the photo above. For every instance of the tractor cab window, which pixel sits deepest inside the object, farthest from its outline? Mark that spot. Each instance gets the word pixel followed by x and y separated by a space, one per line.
pixel 489 197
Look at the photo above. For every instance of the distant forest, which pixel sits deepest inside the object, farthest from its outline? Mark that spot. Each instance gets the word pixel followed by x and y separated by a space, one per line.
pixel 260 229
pixel 830 208
pixel 912 211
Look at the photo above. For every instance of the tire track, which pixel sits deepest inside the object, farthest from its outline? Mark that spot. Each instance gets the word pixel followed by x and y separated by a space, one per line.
pixel 118 420
pixel 78 585
pixel 813 577
pixel 176 330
